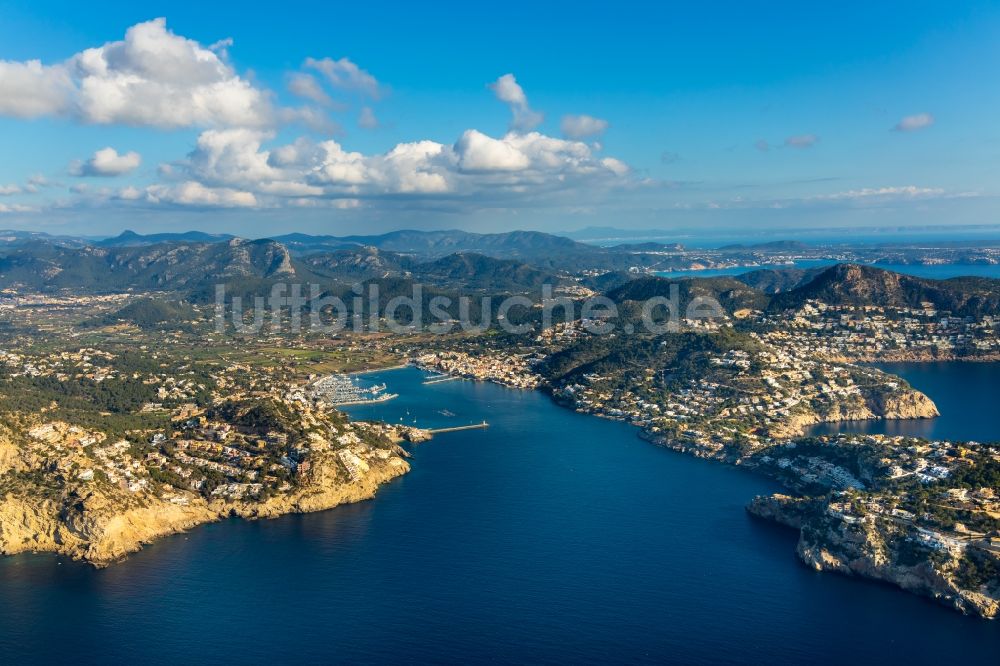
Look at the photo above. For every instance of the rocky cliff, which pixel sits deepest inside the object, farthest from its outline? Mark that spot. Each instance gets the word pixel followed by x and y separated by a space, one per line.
pixel 903 403
pixel 883 549
pixel 104 523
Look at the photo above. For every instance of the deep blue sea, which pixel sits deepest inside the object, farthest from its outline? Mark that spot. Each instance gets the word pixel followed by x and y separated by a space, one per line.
pixel 550 537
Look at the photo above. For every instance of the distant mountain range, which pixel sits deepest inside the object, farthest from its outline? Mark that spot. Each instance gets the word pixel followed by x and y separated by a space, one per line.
pixel 545 251
pixel 517 261
pixel 41 265
pixel 130 238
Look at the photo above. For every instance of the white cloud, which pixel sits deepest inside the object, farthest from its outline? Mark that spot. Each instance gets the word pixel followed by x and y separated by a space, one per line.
pixel 615 166
pixel 367 119
pixel 306 86
pixel 30 89
pixel 516 166
pixel 298 153
pixel 312 117
pixel 509 91
pixel 582 126
pixel 192 193
pixel 233 157
pixel 151 78
pixel 345 75
pixel 7 190
pixel 801 141
pixel 16 208
pixel 420 167
pixel 107 162
pixel 130 193
pixel 478 152
pixel 867 193
pixel 915 122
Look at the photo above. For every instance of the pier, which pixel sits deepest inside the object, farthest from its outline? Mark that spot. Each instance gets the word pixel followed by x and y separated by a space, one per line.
pixel 438 380
pixel 473 426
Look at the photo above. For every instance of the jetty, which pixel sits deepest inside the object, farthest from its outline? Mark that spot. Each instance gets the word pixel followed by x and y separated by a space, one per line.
pixel 472 426
pixel 438 380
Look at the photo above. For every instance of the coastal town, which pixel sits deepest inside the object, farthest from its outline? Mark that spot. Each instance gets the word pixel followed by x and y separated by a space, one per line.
pixel 881 333
pixel 509 370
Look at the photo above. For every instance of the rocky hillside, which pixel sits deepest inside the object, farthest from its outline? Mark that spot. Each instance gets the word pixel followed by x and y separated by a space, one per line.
pixel 888 550
pixel 52 501
pixel 42 266
pixel 852 284
pixel 732 294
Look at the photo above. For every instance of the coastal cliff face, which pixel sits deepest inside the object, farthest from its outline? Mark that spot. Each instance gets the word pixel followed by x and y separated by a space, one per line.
pixel 883 549
pixel 101 523
pixel 367 469
pixel 905 404
pixel 902 403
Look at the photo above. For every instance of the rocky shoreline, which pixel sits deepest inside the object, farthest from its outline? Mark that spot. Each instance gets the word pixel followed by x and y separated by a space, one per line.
pixel 871 548
pixel 104 525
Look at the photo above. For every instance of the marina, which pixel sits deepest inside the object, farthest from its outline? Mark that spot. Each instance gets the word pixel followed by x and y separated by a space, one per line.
pixel 342 390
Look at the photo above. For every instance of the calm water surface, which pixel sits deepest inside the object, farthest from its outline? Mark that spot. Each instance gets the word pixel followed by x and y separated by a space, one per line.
pixel 550 537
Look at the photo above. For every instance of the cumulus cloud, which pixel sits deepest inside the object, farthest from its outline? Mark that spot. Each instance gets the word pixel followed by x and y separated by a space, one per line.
pixel 582 126
pixel 7 190
pixel 192 193
pixel 234 163
pixel 130 193
pixel 915 122
pixel 30 89
pixel 478 152
pixel 231 157
pixel 152 78
pixel 107 162
pixel 345 75
pixel 801 141
pixel 509 91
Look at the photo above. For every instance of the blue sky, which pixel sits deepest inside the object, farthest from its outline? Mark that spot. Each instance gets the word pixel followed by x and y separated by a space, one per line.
pixel 340 118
